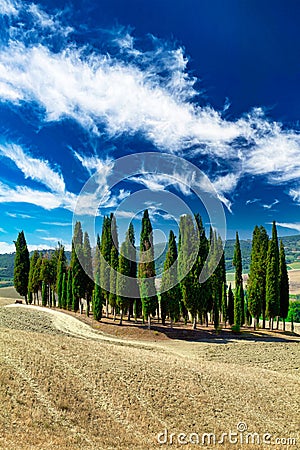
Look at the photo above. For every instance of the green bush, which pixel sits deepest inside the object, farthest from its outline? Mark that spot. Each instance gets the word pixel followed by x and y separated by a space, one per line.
pixel 294 312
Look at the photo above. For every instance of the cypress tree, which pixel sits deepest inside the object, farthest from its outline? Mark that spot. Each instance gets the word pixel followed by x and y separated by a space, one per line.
pixel 237 308
pixel 135 304
pixel 239 291
pixel 124 283
pixel 202 290
pixel 187 256
pixel 283 285
pixel 46 276
pixel 114 264
pixel 78 279
pixel 257 274
pixel 272 278
pixel 78 274
pixel 97 298
pixel 37 280
pixel 106 245
pixel 170 298
pixel 69 291
pixel 32 288
pixel 61 269
pixel 146 270
pixel 22 266
pixel 44 294
pixel 64 292
pixel 230 310
pixel 224 304
pixel 88 270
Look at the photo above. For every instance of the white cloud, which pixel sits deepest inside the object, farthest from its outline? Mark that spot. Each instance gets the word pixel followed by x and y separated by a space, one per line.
pixel 46 200
pixel 295 194
pixel 18 215
pixel 159 181
pixel 58 224
pixel 146 92
pixel 292 226
pixel 266 206
pixel 2 230
pixel 7 247
pixel 255 200
pixel 9 7
pixel 33 168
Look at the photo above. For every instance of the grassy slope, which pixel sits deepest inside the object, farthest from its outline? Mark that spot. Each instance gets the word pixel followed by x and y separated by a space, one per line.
pixel 63 392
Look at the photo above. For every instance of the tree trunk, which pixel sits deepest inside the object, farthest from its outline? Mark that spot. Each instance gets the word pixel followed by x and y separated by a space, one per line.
pixel 264 320
pixel 121 317
pixel 254 323
pixel 277 325
pixel 194 322
pixel 26 299
pixel 87 307
pixel 115 313
pixel 106 308
pixel 206 319
pixel 171 323
pixel 283 324
pixel 149 322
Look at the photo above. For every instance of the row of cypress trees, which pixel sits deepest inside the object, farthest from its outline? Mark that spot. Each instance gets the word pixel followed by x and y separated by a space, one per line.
pixel 267 291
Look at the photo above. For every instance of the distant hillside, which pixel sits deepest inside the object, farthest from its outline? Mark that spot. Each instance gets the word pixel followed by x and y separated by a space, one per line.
pixel 291 243
pixel 292 251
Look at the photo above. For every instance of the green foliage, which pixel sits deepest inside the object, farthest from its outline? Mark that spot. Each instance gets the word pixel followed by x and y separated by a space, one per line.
pixel 64 292
pixel 239 290
pixel 33 286
pixel 44 294
pixel 283 283
pixel 188 251
pixel 114 263
pixel 170 298
pixel 97 299
pixel 146 269
pixel 69 299
pixel 124 283
pixel 61 269
pixel 106 246
pixel 238 306
pixel 78 279
pixel 230 309
pixel 294 312
pixel 272 277
pixel 22 266
pixel 257 275
pixel 88 270
pixel 78 273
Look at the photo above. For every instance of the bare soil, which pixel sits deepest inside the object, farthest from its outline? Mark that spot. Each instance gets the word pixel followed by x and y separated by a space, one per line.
pixel 67 385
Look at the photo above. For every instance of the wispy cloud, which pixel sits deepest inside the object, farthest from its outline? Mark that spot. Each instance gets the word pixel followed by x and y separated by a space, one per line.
pixel 33 168
pixel 270 206
pixel 8 247
pixel 254 200
pixel 46 200
pixel 292 226
pixel 18 215
pixel 9 7
pixel 141 91
pixel 58 224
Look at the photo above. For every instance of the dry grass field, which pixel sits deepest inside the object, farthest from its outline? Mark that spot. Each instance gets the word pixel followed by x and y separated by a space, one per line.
pixel 66 385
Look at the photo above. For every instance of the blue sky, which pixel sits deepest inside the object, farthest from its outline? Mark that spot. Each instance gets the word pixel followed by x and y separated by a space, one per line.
pixel 81 85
